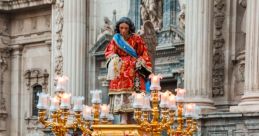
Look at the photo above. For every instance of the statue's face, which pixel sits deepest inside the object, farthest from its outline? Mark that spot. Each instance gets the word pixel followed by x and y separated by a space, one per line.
pixel 124 29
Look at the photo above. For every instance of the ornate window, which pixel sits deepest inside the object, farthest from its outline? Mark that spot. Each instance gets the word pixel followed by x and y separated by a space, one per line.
pixel 36 89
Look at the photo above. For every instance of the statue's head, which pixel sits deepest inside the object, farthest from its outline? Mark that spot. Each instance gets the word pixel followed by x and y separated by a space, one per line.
pixel 124 26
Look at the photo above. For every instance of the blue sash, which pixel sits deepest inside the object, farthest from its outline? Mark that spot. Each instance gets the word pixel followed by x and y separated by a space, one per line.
pixel 124 45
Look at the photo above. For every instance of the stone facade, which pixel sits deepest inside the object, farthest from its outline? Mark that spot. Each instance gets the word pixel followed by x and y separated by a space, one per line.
pixel 208 47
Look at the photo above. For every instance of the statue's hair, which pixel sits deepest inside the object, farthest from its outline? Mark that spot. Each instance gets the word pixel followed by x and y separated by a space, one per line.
pixel 127 21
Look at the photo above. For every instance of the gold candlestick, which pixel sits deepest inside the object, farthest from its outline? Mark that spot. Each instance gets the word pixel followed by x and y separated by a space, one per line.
pixel 58 123
pixel 96 111
pixel 84 126
pixel 156 126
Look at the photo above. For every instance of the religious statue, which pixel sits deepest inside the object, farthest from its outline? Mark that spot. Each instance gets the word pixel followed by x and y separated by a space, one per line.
pixel 181 17
pixel 106 29
pixel 129 66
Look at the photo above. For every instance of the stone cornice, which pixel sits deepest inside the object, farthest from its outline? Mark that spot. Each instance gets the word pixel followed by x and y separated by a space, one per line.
pixel 10 5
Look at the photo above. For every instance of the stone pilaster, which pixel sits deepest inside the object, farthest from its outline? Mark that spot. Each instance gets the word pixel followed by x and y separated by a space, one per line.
pixel 250 100
pixel 16 85
pixel 198 53
pixel 74 49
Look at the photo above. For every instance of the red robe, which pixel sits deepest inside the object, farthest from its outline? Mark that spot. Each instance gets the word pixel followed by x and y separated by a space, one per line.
pixel 125 81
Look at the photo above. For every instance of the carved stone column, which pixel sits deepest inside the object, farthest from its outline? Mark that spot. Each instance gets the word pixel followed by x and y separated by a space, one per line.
pixel 16 77
pixel 74 49
pixel 250 100
pixel 198 53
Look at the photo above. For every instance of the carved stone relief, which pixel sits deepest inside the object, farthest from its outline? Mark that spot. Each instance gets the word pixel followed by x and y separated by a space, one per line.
pixel 152 10
pixel 169 38
pixel 59 22
pixel 4 61
pixel 218 49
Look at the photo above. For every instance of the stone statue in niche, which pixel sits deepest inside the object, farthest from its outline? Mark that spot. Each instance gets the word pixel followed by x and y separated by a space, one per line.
pixel 239 79
pixel 179 78
pixel 243 23
pixel 3 26
pixel 107 28
pixel 181 17
pixel 152 10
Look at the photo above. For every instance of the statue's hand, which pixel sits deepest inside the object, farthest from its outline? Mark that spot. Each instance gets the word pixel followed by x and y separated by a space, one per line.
pixel 140 62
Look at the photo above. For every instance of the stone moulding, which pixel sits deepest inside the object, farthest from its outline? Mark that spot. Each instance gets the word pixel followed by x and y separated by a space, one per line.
pixel 9 5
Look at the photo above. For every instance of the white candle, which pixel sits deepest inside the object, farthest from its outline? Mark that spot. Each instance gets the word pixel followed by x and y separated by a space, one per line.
pixel 172 102
pixel 164 100
pixel 180 93
pixel 138 100
pixel 62 84
pixel 78 103
pixel 155 82
pixel 87 112
pixel 189 110
pixel 96 96
pixel 65 101
pixel 110 117
pixel 43 101
pixel 54 104
pixel 146 103
pixel 105 110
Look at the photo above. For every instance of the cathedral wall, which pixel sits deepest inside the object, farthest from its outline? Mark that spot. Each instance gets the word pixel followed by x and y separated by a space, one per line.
pixel 30 33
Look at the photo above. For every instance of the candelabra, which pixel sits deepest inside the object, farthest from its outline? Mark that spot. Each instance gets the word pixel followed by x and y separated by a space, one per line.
pixel 60 111
pixel 169 105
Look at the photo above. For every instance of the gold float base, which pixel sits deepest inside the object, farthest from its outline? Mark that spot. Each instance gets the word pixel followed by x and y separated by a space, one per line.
pixel 116 130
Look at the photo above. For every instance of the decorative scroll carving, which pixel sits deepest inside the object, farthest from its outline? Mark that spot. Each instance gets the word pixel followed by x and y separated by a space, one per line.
pixel 152 10
pixel 36 76
pixel 59 23
pixel 218 49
